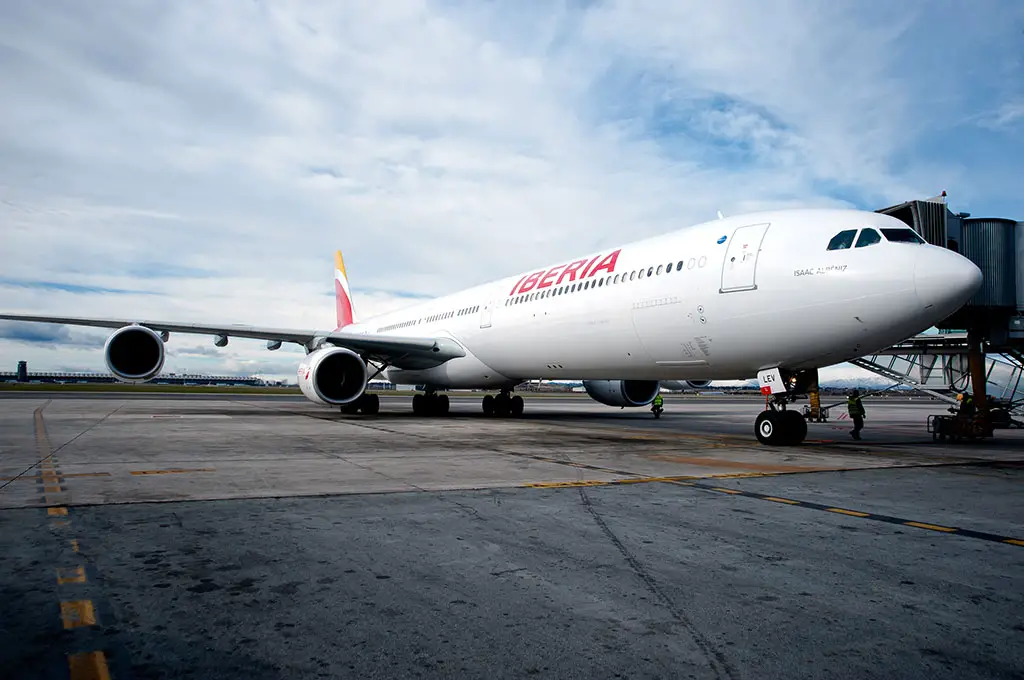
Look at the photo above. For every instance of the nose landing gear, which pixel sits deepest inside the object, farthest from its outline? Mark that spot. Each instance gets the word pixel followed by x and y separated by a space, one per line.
pixel 777 425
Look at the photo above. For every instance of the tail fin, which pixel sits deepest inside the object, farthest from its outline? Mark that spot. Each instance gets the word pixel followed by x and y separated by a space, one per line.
pixel 342 293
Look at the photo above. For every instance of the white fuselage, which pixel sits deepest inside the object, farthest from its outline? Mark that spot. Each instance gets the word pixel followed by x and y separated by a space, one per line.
pixel 720 300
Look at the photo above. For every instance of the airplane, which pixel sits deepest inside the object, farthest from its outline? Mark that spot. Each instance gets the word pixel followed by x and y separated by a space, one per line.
pixel 776 294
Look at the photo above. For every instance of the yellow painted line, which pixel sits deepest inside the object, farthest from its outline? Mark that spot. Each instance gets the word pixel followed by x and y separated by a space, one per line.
pixel 557 485
pixel 88 666
pixel 851 513
pixel 52 489
pixel 76 613
pixel 781 500
pixel 70 575
pixel 171 472
pixel 933 527
pixel 60 523
pixel 74 544
pixel 57 512
pixel 718 488
pixel 1014 541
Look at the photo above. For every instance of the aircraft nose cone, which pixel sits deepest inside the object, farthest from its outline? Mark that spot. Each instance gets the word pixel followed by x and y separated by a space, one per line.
pixel 944 280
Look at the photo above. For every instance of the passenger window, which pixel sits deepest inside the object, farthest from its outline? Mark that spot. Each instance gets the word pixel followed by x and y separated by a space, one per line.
pixel 868 237
pixel 616 279
pixel 650 271
pixel 632 276
pixel 668 268
pixel 679 265
pixel 842 240
pixel 659 270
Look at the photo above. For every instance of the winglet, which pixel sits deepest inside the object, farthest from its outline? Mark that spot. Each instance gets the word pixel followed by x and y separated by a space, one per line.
pixel 342 293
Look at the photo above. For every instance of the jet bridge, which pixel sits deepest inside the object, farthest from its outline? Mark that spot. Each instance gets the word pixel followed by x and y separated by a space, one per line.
pixel 980 348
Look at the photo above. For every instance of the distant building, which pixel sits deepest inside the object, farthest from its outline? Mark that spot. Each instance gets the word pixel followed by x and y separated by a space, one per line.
pixel 22 371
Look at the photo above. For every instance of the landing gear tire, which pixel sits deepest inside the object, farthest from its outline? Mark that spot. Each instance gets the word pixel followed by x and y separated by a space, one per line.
pixel 502 405
pixel 441 405
pixel 780 428
pixel 768 428
pixel 430 404
pixel 795 427
pixel 419 404
pixel 517 405
pixel 369 404
pixel 488 405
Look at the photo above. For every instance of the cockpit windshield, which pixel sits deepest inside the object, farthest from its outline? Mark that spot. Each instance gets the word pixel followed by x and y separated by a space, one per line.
pixel 842 240
pixel 902 236
pixel 868 237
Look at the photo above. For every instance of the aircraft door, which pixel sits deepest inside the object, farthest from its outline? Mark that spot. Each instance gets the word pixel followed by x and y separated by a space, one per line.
pixel 739 270
pixel 486 312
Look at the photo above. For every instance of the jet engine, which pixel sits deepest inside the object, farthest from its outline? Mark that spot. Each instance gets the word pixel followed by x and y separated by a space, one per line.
pixel 134 354
pixel 622 392
pixel 332 376
pixel 698 384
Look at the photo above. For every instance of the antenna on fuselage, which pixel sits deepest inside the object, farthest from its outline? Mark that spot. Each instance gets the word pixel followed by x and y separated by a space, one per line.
pixel 720 215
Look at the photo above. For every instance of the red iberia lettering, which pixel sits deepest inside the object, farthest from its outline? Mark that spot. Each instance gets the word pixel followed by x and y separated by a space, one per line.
pixel 531 282
pixel 607 264
pixel 513 291
pixel 546 279
pixel 589 265
pixel 570 271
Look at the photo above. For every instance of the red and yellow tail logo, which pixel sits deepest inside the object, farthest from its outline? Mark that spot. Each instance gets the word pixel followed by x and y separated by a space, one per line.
pixel 342 294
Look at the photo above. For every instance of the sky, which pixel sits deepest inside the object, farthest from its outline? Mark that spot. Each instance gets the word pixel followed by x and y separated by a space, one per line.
pixel 201 161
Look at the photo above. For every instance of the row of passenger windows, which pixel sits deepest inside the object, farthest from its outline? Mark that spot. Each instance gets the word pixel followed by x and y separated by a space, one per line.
pixel 869 237
pixel 430 319
pixel 608 280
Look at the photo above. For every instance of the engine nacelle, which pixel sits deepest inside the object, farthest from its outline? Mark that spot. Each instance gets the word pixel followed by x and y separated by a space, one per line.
pixel 698 384
pixel 134 354
pixel 332 376
pixel 622 392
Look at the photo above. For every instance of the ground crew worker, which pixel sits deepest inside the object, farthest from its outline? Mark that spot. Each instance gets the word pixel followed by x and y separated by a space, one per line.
pixel 856 410
pixel 966 404
pixel 658 401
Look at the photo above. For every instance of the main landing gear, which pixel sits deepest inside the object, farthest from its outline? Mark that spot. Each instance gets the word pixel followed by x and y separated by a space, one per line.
pixel 368 405
pixel 503 404
pixel 430 403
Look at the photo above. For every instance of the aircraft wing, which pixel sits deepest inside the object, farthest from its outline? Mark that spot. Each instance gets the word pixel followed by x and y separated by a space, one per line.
pixel 410 353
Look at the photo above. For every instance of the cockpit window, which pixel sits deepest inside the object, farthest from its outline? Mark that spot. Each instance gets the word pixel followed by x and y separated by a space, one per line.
pixel 842 240
pixel 868 237
pixel 902 236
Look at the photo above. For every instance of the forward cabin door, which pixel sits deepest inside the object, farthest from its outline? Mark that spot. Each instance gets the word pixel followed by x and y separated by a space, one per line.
pixel 739 271
pixel 486 313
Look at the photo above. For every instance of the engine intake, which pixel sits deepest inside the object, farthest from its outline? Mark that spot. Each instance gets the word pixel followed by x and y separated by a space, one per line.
pixel 622 392
pixel 698 384
pixel 332 376
pixel 134 354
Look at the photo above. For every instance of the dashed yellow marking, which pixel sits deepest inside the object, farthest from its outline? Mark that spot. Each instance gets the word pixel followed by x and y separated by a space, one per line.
pixel 781 500
pixel 88 666
pixel 52 489
pixel 74 544
pixel 933 527
pixel 557 485
pixel 77 613
pixel 57 512
pixel 1014 541
pixel 171 472
pixel 851 513
pixel 723 490
pixel 70 575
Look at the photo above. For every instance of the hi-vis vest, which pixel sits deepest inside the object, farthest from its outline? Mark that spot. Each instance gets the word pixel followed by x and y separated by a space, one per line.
pixel 854 406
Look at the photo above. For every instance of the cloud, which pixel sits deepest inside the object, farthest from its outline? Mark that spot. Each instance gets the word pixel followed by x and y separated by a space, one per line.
pixel 49 335
pixel 218 153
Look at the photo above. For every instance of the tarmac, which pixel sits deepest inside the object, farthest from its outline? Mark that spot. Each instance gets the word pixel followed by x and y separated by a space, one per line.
pixel 248 537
